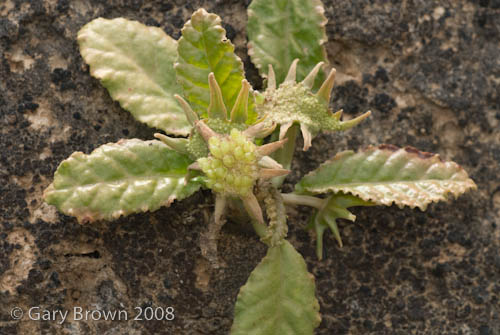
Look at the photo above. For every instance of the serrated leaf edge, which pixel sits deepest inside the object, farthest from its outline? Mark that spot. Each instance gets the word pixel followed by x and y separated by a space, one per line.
pixel 217 26
pixel 319 10
pixel 123 103
pixel 267 259
pixel 84 217
pixel 468 184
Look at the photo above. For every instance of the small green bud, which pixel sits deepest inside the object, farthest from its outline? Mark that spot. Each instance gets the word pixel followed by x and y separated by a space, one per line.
pixel 249 170
pixel 216 163
pixel 209 172
pixel 235 135
pixel 246 181
pixel 231 166
pixel 230 179
pixel 204 163
pixel 218 187
pixel 216 152
pixel 220 172
pixel 239 154
pixel 237 182
pixel 249 157
pixel 228 161
pixel 225 147
pixel 249 147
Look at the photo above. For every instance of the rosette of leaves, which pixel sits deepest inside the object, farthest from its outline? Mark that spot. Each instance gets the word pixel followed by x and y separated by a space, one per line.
pixel 194 86
pixel 215 136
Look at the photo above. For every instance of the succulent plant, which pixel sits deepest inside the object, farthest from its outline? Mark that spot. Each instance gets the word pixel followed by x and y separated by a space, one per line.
pixel 239 144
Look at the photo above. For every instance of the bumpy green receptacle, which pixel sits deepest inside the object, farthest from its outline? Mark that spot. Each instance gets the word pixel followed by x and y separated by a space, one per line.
pixel 197 146
pixel 232 165
pixel 294 102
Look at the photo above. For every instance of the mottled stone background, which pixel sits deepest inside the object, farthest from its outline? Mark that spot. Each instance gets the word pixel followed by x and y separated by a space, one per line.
pixel 429 71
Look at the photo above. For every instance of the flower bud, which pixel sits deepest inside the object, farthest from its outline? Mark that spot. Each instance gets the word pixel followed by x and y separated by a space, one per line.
pixel 231 166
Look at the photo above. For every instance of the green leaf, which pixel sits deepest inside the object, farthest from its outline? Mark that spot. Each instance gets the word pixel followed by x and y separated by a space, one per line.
pixel 387 174
pixel 119 179
pixel 203 48
pixel 281 30
pixel 279 297
pixel 335 208
pixel 135 63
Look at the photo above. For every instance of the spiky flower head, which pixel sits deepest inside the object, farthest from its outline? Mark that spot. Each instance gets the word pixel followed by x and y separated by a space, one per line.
pixel 217 120
pixel 294 102
pixel 225 152
pixel 235 163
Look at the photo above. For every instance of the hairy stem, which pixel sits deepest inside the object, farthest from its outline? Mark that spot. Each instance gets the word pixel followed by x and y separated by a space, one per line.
pixel 275 212
pixel 305 200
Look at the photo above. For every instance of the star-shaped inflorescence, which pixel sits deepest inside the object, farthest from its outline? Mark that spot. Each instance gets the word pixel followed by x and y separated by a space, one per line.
pixel 294 102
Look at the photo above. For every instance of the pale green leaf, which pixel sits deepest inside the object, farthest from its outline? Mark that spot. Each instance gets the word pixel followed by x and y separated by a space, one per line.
pixel 387 174
pixel 335 208
pixel 203 48
pixel 279 297
pixel 281 30
pixel 135 63
pixel 118 179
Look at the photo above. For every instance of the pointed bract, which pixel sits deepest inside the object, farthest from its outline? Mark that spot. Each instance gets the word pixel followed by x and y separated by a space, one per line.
pixel 177 144
pixel 194 166
pixel 306 134
pixel 269 148
pixel 239 113
pixel 271 79
pixel 205 130
pixel 351 123
pixel 337 115
pixel 259 130
pixel 191 116
pixel 309 80
pixel 217 108
pixel 268 162
pixel 335 230
pixel 327 86
pixel 284 128
pixel 292 72
pixel 271 173
pixel 334 208
pixel 253 208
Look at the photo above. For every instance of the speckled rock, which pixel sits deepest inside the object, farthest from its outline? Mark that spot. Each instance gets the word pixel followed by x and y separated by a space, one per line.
pixel 428 70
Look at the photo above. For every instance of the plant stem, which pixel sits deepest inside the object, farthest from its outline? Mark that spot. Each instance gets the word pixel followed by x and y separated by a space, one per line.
pixel 276 213
pixel 305 200
pixel 284 156
pixel 260 229
pixel 238 214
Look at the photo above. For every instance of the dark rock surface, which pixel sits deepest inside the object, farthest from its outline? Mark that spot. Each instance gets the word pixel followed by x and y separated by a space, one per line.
pixel 429 71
